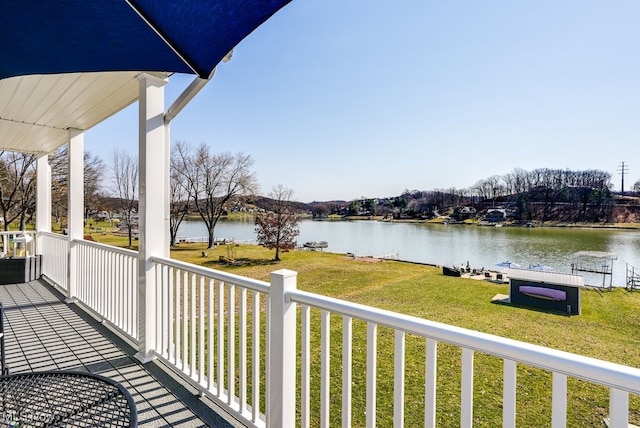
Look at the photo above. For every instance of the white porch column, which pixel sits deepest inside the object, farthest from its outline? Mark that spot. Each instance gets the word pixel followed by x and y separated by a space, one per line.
pixel 281 352
pixel 167 190
pixel 43 198
pixel 152 174
pixel 75 214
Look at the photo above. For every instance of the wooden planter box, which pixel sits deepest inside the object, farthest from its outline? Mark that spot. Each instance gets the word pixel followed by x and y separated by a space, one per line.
pixel 17 270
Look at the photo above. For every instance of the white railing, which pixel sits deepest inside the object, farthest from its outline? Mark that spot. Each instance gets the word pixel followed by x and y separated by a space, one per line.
pixel 107 283
pixel 209 331
pixel 9 244
pixel 206 329
pixel 621 380
pixel 55 257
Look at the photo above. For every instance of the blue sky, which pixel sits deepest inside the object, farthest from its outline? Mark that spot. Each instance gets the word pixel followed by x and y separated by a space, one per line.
pixel 339 99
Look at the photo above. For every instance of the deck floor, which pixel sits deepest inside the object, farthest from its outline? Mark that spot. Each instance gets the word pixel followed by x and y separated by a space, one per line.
pixel 45 333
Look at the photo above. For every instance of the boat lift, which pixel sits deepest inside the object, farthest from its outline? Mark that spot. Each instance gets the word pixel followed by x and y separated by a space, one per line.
pixel 597 263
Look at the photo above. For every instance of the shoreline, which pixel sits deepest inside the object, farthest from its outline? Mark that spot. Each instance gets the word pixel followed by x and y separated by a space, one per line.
pixel 622 226
pixel 441 221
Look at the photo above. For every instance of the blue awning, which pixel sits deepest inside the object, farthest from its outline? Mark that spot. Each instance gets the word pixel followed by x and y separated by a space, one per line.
pixel 70 36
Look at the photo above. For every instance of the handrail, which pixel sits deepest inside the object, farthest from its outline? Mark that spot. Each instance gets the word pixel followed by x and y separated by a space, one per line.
pixel 29 247
pixel 578 366
pixel 52 234
pixel 251 284
pixel 99 245
pixel 94 244
pixel 123 251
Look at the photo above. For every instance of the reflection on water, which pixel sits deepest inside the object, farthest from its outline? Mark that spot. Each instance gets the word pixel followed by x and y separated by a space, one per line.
pixel 453 244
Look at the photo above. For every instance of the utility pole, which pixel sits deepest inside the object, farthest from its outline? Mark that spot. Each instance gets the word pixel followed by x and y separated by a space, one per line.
pixel 622 170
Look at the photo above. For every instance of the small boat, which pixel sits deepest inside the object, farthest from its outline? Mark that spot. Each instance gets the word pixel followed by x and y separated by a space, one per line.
pixel 543 293
pixel 315 245
pixel 447 271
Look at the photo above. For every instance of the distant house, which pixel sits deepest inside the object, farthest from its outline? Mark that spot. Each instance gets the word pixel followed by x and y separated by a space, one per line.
pixel 102 215
pixel 494 215
pixel 464 213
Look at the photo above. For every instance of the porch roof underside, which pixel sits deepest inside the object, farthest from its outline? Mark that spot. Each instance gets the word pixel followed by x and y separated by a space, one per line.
pixel 37 112
pixel 70 65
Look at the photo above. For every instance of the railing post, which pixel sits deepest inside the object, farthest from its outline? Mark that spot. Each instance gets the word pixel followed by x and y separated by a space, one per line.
pixel 281 396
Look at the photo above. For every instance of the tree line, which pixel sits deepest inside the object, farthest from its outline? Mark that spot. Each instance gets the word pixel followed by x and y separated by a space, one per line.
pixel 552 194
pixel 200 180
pixel 18 185
pixel 204 183
pixel 541 194
pixel 520 181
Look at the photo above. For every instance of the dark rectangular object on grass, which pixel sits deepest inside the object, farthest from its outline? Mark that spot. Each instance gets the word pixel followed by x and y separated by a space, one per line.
pixel 528 293
pixel 17 270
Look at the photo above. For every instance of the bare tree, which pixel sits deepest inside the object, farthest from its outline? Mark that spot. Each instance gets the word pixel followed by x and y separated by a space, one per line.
pixel 213 179
pixel 125 182
pixel 178 192
pixel 17 187
pixel 93 172
pixel 520 180
pixel 58 160
pixel 278 229
pixel 319 209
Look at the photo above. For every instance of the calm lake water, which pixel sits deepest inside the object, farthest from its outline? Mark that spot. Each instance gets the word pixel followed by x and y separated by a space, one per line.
pixel 454 244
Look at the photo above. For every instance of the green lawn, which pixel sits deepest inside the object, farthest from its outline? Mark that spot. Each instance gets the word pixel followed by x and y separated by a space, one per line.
pixel 607 329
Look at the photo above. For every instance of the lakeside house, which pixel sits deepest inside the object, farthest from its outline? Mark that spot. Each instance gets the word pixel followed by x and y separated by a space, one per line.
pixel 162 311
pixel 495 215
pixel 464 213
